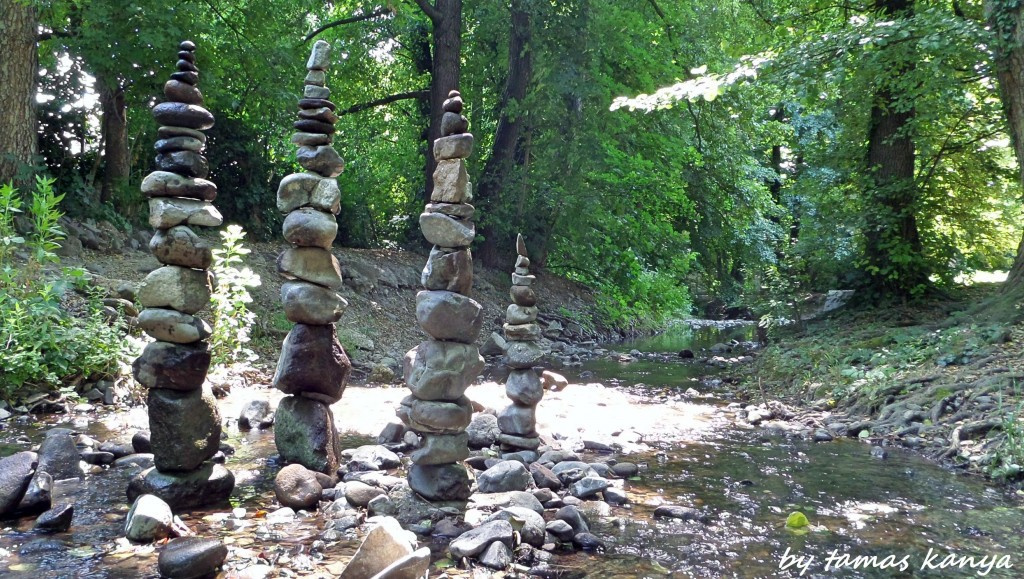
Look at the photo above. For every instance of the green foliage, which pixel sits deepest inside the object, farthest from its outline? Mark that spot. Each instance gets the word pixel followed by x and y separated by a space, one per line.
pixel 42 344
pixel 232 320
pixel 1008 461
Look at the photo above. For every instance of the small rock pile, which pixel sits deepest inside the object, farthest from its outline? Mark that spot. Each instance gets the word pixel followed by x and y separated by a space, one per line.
pixel 184 420
pixel 313 366
pixel 518 421
pixel 439 370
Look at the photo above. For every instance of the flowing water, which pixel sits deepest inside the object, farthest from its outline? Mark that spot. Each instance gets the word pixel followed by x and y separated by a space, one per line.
pixel 897 517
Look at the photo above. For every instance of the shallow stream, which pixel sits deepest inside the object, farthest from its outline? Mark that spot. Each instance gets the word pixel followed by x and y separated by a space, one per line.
pixel 908 514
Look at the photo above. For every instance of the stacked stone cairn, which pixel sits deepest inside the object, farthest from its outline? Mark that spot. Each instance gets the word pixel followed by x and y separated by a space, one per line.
pixel 518 421
pixel 439 370
pixel 313 366
pixel 183 417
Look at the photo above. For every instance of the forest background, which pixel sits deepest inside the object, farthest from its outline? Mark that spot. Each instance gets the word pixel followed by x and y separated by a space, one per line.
pixel 657 150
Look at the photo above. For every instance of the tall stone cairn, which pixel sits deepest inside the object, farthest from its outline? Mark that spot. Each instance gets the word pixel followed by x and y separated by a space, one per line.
pixel 439 370
pixel 313 366
pixel 184 422
pixel 518 421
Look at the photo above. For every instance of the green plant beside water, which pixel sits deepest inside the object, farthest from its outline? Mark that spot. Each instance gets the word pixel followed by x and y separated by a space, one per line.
pixel 1008 461
pixel 42 346
pixel 232 319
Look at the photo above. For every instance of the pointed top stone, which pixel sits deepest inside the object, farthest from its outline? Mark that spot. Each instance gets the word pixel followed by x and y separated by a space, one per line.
pixel 187 45
pixel 521 245
pixel 320 58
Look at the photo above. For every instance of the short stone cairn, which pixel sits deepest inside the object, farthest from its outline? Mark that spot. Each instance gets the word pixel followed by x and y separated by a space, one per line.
pixel 183 418
pixel 439 370
pixel 313 366
pixel 518 421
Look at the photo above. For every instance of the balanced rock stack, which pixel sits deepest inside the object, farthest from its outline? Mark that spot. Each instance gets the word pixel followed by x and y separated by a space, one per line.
pixel 518 421
pixel 439 370
pixel 183 418
pixel 313 366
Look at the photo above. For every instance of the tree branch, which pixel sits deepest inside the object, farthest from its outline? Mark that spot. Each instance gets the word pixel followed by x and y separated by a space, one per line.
pixel 416 94
pixel 369 16
pixel 429 9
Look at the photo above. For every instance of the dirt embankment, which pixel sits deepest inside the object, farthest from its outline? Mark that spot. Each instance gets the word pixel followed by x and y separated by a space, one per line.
pixel 935 378
pixel 379 326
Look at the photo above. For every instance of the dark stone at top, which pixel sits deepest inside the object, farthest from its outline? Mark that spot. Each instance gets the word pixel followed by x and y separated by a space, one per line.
pixel 187 55
pixel 187 45
pixel 453 105
pixel 184 65
pixel 186 76
pixel 453 93
pixel 316 104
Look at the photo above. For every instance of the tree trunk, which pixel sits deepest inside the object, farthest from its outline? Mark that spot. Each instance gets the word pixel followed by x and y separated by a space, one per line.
pixel 1008 24
pixel 446 16
pixel 116 165
pixel 506 137
pixel 18 71
pixel 893 252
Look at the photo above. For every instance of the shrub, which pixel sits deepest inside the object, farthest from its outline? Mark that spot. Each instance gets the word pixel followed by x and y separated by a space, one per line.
pixel 43 346
pixel 232 319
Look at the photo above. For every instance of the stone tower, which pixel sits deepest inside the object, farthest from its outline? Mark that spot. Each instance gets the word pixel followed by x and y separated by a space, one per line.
pixel 183 418
pixel 440 369
pixel 313 366
pixel 518 421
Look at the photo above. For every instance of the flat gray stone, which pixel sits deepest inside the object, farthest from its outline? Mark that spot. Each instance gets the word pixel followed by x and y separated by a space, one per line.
pixel 473 542
pixel 453 147
pixel 444 231
pixel 166 212
pixel 436 417
pixel 168 184
pixel 169 325
pixel 311 264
